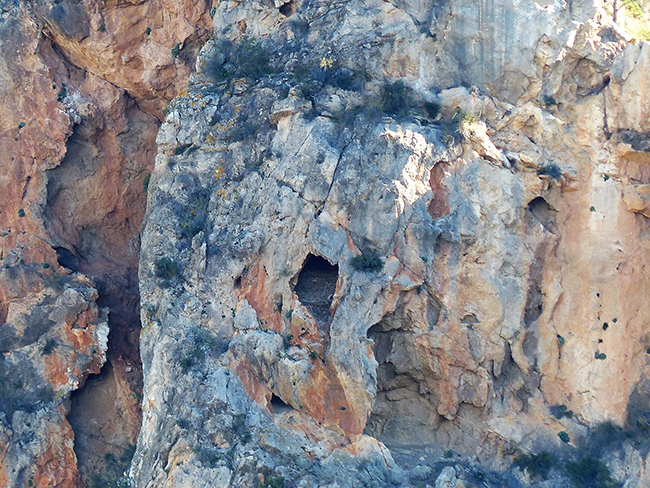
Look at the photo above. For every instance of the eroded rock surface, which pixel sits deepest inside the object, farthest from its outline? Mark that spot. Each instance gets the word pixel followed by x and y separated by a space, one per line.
pixel 82 89
pixel 489 259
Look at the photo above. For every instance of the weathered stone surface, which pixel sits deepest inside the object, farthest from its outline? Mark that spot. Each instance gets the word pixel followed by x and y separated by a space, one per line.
pixel 53 338
pixel 81 110
pixel 502 229
pixel 330 268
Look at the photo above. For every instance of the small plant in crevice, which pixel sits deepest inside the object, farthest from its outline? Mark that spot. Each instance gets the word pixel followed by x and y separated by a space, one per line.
pixel 248 58
pixel 201 344
pixel 272 481
pixel 560 412
pixel 145 182
pixel 600 355
pixel 63 92
pixel 537 465
pixel 396 98
pixel 114 469
pixel 368 262
pixel 167 269
pixel 21 212
pixel 549 101
pixel 176 50
pixel 564 437
pixel 48 347
pixel 454 128
pixel 551 170
pixel 589 472
pixel 193 215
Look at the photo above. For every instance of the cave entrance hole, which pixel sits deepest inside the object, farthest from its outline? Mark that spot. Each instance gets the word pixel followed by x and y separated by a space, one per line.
pixel 315 289
pixel 278 406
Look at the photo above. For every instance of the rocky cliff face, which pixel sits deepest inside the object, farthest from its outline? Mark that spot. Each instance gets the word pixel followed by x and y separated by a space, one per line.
pixel 82 88
pixel 330 262
pixel 385 244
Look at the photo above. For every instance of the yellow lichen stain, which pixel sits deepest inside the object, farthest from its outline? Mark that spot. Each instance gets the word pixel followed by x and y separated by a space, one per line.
pixel 210 139
pixel 218 172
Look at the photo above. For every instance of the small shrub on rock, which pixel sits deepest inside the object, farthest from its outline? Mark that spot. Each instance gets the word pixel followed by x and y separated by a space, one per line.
pixel 166 269
pixel 396 98
pixel 551 170
pixel 536 464
pixel 589 472
pixel 369 262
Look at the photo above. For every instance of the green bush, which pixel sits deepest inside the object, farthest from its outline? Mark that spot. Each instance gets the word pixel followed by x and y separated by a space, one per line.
pixel 396 98
pixel 166 269
pixel 176 50
pixel 589 472
pixel 564 437
pixel 145 182
pixel 48 347
pixel 246 59
pixel 368 262
pixel 536 464
pixel 193 216
pixel 273 481
pixel 552 170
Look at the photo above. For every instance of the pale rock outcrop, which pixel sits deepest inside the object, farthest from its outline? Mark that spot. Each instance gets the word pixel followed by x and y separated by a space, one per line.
pixel 499 299
pixel 338 283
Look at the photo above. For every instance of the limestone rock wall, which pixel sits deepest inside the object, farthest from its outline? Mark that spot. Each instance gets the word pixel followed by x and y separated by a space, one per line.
pixel 381 239
pixel 489 260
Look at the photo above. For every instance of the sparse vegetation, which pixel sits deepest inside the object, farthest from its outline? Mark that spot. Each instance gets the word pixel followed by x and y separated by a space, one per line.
pixel 248 59
pixel 21 212
pixel 102 27
pixel 201 343
pixel 536 464
pixel 193 216
pixel 145 182
pixel 551 170
pixel 396 98
pixel 273 481
pixel 589 472
pixel 632 15
pixel 114 469
pixel 564 437
pixel 561 411
pixel 167 269
pixel 454 129
pixel 368 262
pixel 48 347
pixel 63 92
pixel 176 50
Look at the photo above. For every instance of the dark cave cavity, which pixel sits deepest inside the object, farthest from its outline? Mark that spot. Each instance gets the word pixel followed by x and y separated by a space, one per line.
pixel 316 287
